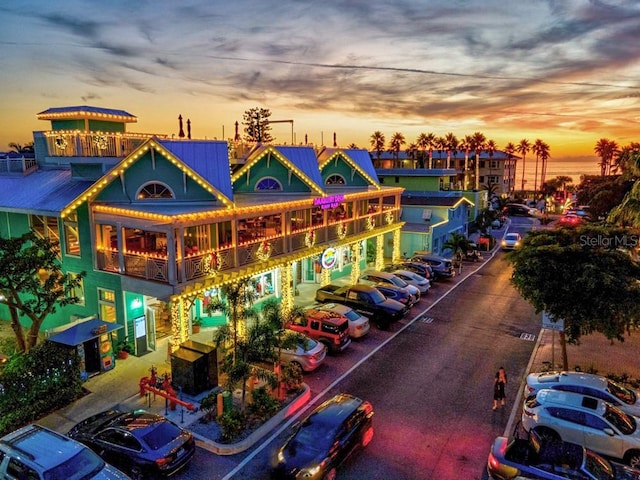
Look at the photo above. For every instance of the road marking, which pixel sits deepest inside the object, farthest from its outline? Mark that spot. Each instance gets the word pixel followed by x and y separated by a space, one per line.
pixel 426 319
pixel 530 337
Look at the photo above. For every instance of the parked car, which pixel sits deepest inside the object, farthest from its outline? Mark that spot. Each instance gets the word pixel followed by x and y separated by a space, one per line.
pixel 626 399
pixel 584 420
pixel 141 443
pixel 325 439
pixel 374 277
pixel 539 458
pixel 414 279
pixel 517 209
pixel 442 266
pixel 398 294
pixel 34 452
pixel 422 269
pixel 570 220
pixel 511 241
pixel 308 354
pixel 359 325
pixel 328 328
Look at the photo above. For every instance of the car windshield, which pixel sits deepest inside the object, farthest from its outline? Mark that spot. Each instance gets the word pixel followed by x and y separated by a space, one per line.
pixel 623 422
pixel 512 236
pixel 314 435
pixel 352 315
pixel 398 282
pixel 598 467
pixel 621 392
pixel 163 434
pixel 377 297
pixel 83 466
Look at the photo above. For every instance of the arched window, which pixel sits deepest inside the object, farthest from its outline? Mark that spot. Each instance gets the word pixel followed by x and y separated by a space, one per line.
pixel 335 179
pixel 154 190
pixel 268 183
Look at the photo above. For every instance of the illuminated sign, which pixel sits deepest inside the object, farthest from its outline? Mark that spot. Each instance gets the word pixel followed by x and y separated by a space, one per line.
pixel 329 258
pixel 331 201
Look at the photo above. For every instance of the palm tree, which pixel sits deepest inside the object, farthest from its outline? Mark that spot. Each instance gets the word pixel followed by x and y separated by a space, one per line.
pixel 510 149
pixel 626 159
pixel 423 142
pixel 26 148
pixel 412 153
pixel 451 144
pixel 466 145
pixel 377 142
pixel 440 144
pixel 537 149
pixel 606 149
pixel 459 245
pixel 478 144
pixel 352 146
pixel 395 145
pixel 490 147
pixel 544 157
pixel 523 148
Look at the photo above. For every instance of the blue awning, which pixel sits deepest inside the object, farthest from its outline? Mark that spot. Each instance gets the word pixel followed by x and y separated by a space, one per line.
pixel 82 332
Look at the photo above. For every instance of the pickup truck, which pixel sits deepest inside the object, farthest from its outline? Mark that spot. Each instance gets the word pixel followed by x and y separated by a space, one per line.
pixel 366 300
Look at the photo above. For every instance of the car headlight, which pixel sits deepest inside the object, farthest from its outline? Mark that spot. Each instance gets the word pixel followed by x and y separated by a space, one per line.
pixel 310 472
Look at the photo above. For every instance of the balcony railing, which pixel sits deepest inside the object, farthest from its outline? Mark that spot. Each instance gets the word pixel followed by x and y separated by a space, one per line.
pixel 17 165
pixel 192 267
pixel 94 144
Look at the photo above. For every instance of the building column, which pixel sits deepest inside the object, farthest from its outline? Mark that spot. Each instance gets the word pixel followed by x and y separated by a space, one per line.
pixel 286 287
pixel 355 264
pixel 179 327
pixel 379 252
pixel 396 246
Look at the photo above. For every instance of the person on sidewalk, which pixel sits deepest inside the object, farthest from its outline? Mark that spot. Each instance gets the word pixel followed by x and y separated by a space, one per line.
pixel 499 384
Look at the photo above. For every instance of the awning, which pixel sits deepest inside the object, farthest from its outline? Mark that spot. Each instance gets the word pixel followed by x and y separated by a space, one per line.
pixel 82 332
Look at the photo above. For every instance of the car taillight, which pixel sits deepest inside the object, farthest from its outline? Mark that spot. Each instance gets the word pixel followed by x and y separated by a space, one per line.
pixel 163 462
pixel 493 462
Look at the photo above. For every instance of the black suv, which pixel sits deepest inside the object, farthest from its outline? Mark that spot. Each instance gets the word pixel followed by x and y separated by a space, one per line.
pixel 325 439
pixel 422 269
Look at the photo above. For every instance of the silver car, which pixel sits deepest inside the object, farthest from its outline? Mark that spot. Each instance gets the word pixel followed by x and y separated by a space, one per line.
pixel 359 325
pixel 308 355
pixel 414 279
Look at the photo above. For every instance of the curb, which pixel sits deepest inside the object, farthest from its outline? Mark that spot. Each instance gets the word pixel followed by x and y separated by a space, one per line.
pixel 258 434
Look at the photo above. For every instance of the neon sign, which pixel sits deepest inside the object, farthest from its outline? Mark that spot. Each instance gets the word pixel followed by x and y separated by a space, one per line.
pixel 331 201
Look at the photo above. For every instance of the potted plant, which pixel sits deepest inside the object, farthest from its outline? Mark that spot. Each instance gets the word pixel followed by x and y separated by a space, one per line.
pixel 124 348
pixel 196 323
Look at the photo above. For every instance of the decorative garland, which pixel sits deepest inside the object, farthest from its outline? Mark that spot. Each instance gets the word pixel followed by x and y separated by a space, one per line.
pixel 341 230
pixel 100 141
pixel 213 265
pixel 264 251
pixel 388 217
pixel 371 223
pixel 310 238
pixel 61 142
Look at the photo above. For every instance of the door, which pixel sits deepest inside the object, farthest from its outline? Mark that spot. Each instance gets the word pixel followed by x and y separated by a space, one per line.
pixel 151 328
pixel 140 331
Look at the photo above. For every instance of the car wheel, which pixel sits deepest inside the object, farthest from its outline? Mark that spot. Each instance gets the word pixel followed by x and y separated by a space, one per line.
pixel 136 473
pixel 331 474
pixel 297 367
pixel 367 436
pixel 547 434
pixel 632 458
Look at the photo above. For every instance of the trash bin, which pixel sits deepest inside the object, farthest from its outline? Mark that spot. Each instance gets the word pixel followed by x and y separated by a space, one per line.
pixel 227 402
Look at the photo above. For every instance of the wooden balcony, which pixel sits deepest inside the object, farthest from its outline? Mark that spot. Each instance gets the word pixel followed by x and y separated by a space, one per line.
pixel 94 144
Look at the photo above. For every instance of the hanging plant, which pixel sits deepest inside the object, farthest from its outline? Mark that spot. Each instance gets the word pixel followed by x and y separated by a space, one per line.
pixel 310 238
pixel 341 230
pixel 61 142
pixel 264 251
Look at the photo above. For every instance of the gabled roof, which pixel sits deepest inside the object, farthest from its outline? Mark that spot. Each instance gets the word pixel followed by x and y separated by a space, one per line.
pixel 451 202
pixel 301 161
pixel 209 158
pixel 359 159
pixel 85 111
pixel 45 192
pixel 125 163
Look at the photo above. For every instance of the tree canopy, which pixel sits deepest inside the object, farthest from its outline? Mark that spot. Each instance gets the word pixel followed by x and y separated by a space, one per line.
pixel 256 125
pixel 585 276
pixel 32 283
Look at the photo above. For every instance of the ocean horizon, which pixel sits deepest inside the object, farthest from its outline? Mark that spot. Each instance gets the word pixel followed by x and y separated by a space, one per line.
pixel 570 167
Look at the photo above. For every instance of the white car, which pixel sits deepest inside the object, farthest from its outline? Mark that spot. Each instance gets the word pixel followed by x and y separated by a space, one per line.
pixel 359 325
pixel 309 354
pixel 414 279
pixel 511 241
pixel 624 398
pixel 584 420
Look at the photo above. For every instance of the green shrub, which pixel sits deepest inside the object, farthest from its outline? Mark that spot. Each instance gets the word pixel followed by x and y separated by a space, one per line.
pixel 292 377
pixel 210 406
pixel 232 424
pixel 263 406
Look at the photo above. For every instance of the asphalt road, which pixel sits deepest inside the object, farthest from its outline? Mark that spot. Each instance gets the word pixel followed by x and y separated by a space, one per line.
pixel 430 380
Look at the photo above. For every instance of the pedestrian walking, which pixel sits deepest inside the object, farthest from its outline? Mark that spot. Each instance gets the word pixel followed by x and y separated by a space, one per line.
pixel 499 384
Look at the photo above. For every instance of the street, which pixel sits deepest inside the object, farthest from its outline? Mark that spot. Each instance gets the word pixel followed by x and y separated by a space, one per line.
pixel 430 380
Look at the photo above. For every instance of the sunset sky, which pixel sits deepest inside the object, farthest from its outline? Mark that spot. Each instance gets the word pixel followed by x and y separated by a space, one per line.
pixel 567 71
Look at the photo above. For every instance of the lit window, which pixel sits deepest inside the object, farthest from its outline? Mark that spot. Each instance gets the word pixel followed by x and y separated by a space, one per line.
pixel 154 190
pixel 268 183
pixel 335 179
pixel 71 237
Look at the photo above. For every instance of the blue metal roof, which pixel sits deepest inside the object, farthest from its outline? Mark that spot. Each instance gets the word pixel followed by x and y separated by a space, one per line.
pixel 43 191
pixel 84 331
pixel 363 159
pixel 208 158
pixel 86 109
pixel 305 159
